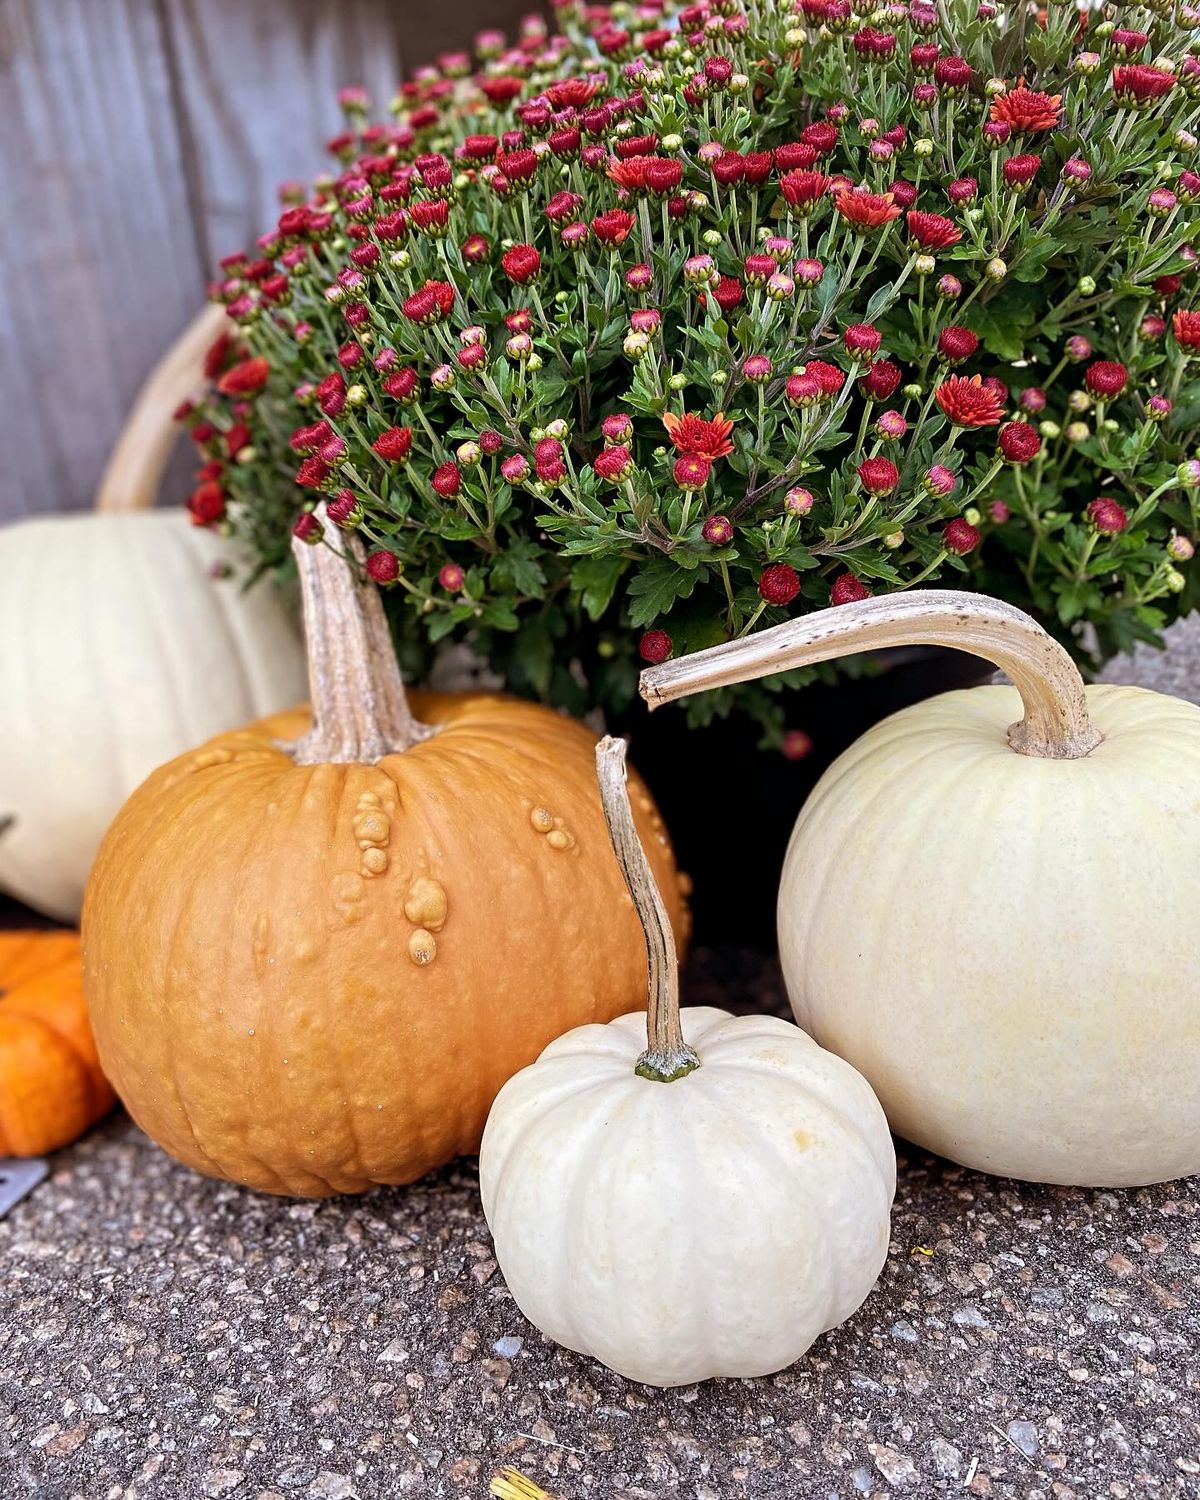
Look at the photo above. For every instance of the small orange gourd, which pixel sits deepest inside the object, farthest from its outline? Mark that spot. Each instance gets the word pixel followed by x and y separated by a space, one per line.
pixel 51 1086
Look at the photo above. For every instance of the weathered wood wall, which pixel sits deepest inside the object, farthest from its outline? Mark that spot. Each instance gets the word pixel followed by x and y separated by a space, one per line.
pixel 139 140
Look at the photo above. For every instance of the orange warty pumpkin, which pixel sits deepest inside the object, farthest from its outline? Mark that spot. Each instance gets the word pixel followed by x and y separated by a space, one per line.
pixel 51 1086
pixel 315 951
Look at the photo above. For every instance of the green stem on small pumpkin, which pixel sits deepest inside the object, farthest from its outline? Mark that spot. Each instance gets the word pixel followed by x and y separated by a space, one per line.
pixel 667 1055
pixel 359 708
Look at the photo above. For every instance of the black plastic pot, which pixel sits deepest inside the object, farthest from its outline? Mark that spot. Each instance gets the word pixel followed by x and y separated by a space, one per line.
pixel 730 805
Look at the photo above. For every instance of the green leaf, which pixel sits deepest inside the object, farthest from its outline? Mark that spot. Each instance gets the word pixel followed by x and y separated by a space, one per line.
pixel 596 579
pixel 655 590
pixel 517 568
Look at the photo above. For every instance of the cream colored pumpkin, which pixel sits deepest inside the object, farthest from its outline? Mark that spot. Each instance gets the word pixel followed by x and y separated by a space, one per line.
pixel 707 1207
pixel 119 650
pixel 1003 943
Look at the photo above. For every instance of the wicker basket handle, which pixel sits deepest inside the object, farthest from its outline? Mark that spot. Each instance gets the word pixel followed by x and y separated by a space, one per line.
pixel 135 466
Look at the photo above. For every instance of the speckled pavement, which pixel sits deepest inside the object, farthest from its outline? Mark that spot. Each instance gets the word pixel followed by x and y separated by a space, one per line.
pixel 162 1335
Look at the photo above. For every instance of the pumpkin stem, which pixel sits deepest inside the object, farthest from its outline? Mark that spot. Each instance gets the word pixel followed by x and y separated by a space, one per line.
pixel 1056 723
pixel 667 1055
pixel 359 709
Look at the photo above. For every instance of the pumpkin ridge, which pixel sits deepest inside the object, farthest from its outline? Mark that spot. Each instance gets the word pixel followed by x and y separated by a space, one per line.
pixel 718 1101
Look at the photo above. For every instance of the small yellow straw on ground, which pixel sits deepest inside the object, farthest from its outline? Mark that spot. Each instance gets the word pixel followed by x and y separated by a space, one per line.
pixel 509 1484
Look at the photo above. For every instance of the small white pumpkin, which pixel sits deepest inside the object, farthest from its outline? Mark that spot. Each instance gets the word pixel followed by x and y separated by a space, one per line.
pixel 119 650
pixel 705 1207
pixel 995 924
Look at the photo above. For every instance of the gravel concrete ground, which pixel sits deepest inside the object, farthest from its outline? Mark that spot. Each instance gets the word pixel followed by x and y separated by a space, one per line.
pixel 163 1335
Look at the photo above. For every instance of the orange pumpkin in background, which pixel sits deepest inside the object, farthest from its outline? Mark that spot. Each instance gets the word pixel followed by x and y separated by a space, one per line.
pixel 317 948
pixel 51 1086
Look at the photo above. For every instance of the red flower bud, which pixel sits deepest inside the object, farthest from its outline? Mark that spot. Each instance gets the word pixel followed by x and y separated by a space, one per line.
pixel 718 531
pixel 1019 442
pixel 383 567
pixel 447 480
pixel 846 589
pixel 1107 516
pixel 1019 171
pixel 691 471
pixel 308 529
pixel 1106 378
pixel 956 344
pixel 862 339
pixel 878 476
pixel 779 583
pixel 960 537
pixel 655 646
pixel 880 381
pixel 614 463
pixel 451 577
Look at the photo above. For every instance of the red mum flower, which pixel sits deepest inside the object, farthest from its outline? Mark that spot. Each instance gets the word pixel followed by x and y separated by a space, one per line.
pixel 699 436
pixel 846 589
pixel 501 90
pixel 662 175
pixel 571 93
pixel 394 445
pixel 613 463
pixel 952 73
pixel 1106 378
pixel 803 189
pixel 430 304
pixel 866 210
pixel 829 377
pixel 1019 442
pixel 1186 327
pixel 521 264
pixel 879 476
pixel 331 394
pixel 794 156
pixel 1107 516
pixel 1019 171
pixel 655 646
pixel 728 293
pixel 1136 84
pixel 1025 109
pixel 956 344
pixel 933 231
pixel 206 504
pixel 613 227
pixel 246 378
pixel 779 584
pixel 968 402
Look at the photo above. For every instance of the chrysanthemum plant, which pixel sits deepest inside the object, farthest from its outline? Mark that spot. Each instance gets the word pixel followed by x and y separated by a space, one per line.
pixel 624 341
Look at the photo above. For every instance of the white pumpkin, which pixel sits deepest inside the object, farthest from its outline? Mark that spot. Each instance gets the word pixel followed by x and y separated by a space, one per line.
pixel 998 926
pixel 706 1207
pixel 118 650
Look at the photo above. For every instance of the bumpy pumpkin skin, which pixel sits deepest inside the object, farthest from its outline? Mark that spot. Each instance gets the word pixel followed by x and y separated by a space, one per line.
pixel 248 956
pixel 51 1086
pixel 1005 945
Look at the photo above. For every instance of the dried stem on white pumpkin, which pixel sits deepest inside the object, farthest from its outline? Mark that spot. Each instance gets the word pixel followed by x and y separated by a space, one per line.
pixel 667 1055
pixel 359 708
pixel 1056 723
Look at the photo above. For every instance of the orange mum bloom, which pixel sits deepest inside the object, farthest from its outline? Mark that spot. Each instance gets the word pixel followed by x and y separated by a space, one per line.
pixel 866 210
pixel 968 402
pixel 698 436
pixel 1187 328
pixel 1025 109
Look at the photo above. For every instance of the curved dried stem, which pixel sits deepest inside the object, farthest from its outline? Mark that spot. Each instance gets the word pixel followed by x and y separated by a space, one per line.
pixel 1056 723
